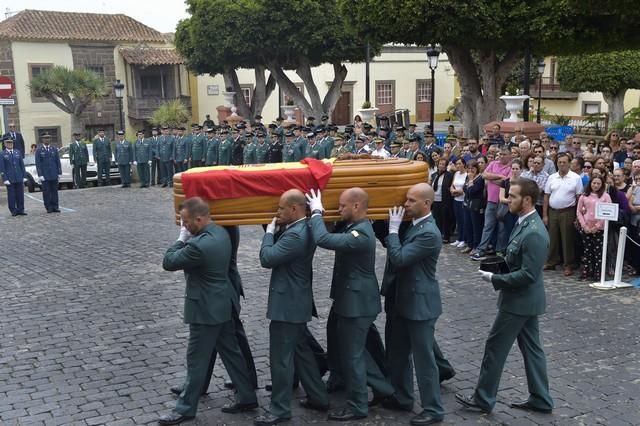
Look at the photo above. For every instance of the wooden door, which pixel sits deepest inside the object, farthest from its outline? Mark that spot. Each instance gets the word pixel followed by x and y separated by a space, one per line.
pixel 423 100
pixel 342 112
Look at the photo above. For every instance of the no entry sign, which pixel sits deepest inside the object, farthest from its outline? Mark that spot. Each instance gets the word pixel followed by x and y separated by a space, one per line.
pixel 6 87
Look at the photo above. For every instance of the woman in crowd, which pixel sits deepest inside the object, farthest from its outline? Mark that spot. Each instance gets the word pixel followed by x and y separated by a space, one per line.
pixel 586 173
pixel 613 140
pixel 482 163
pixel 474 201
pixel 509 219
pixel 633 195
pixel 457 193
pixel 421 156
pixel 591 229
pixel 591 146
pixel 357 121
pixel 442 203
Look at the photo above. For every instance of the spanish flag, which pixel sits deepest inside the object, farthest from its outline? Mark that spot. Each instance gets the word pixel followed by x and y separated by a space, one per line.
pixel 223 182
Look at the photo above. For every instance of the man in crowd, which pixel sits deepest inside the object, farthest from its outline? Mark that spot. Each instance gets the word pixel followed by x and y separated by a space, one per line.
pixel 495 137
pixel 549 166
pixel 49 170
pixel 561 194
pixel 155 160
pixel 142 158
pixel 539 176
pixel 102 157
pixel 165 153
pixel 181 151
pixel 12 174
pixel 198 148
pixel 380 150
pixel 288 252
pixel 18 140
pixel 203 251
pixel 79 158
pixel 520 302
pixel 124 158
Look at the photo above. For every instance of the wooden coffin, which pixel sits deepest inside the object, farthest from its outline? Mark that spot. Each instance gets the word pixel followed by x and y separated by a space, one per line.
pixel 386 182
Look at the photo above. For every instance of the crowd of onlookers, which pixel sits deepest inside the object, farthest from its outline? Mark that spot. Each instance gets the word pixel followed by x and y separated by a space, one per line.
pixel 471 180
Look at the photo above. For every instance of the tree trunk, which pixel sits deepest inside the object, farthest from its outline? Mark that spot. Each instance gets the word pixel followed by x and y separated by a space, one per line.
pixel 76 126
pixel 615 102
pixel 262 91
pixel 290 89
pixel 335 91
pixel 231 80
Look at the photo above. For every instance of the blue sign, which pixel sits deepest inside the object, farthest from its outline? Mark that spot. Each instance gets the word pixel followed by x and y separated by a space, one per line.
pixel 559 133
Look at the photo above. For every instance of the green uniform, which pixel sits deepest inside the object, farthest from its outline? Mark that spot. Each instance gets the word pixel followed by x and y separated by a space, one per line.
pixel 290 307
pixel 124 158
pixel 291 153
pixel 261 152
pixel 411 274
pixel 520 301
pixel 327 144
pixel 338 151
pixel 142 155
pixel 211 151
pixel 198 150
pixel 356 303
pixel 181 152
pixel 79 158
pixel 102 158
pixel 249 153
pixel 314 150
pixel 207 309
pixel 155 161
pixel 165 155
pixel 224 151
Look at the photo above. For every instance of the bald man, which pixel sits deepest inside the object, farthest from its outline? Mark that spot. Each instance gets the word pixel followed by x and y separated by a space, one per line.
pixel 289 255
pixel 356 298
pixel 410 281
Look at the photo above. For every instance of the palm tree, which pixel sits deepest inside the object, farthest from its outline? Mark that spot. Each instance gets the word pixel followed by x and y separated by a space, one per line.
pixel 172 113
pixel 70 90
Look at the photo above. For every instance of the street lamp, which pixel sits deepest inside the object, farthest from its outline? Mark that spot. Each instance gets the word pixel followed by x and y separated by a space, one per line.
pixel 118 90
pixel 433 51
pixel 541 66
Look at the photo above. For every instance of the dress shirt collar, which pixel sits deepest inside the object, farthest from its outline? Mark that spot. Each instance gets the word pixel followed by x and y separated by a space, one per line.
pixel 414 222
pixel 522 218
pixel 293 223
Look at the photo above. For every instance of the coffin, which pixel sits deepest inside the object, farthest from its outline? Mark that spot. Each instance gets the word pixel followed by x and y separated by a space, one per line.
pixel 386 182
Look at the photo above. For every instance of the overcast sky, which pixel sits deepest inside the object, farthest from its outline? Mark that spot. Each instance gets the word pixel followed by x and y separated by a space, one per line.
pixel 162 15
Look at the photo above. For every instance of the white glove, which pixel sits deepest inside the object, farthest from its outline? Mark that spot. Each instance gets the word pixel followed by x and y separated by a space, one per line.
pixel 135 163
pixel 6 182
pixel 41 178
pixel 271 228
pixel 395 219
pixel 149 162
pixel 24 179
pixel 314 200
pixel 486 276
pixel 185 235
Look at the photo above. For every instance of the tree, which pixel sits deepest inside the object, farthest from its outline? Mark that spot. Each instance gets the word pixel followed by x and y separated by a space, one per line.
pixel 485 39
pixel 611 73
pixel 222 36
pixel 70 90
pixel 172 113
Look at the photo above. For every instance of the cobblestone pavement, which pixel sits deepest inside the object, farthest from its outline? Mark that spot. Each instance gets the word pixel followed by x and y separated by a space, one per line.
pixel 91 329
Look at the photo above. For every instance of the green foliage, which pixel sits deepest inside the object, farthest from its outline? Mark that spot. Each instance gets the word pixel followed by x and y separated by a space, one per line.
pixel 172 113
pixel 366 104
pixel 632 118
pixel 512 87
pixel 561 119
pixel 70 90
pixel 609 73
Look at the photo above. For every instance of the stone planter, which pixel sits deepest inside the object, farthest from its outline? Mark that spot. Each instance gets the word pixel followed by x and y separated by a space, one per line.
pixel 514 106
pixel 367 114
pixel 289 111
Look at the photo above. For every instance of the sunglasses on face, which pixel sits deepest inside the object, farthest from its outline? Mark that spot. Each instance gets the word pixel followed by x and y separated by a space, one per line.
pixel 588 167
pixel 553 148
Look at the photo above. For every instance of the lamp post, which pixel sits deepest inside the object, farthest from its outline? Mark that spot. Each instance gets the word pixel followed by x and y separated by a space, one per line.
pixel 433 51
pixel 118 90
pixel 541 66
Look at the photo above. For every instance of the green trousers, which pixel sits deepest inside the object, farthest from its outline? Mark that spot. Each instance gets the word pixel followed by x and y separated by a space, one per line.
pixel 562 234
pixel 143 174
pixel 505 330
pixel 290 352
pixel 203 340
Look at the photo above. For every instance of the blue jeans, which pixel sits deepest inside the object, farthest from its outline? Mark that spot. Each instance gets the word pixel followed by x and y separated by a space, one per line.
pixel 458 211
pixel 492 226
pixel 473 222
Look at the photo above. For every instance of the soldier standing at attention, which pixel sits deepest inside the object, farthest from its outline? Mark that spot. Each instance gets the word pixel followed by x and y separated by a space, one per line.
pixel 49 170
pixel 142 155
pixel 520 302
pixel 289 254
pixel 203 252
pixel 79 158
pixel 249 153
pixel 181 151
pixel 165 155
pixel 237 145
pixel 102 157
pixel 274 151
pixel 155 160
pixel 261 147
pixel 339 147
pixel 198 148
pixel 224 148
pixel 124 158
pixel 12 175
pixel 211 148
pixel 356 297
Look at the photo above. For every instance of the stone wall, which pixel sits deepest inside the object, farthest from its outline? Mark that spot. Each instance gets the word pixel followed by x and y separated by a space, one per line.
pixel 6 68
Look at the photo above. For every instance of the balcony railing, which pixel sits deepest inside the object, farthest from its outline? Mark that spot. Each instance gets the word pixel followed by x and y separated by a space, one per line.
pixel 551 90
pixel 141 108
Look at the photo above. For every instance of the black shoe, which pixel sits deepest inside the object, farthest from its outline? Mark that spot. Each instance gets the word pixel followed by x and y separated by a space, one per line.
pixel 269 419
pixel 447 375
pixel 392 403
pixel 344 415
pixel 177 390
pixel 334 385
pixel 56 210
pixel 526 405
pixel 49 211
pixel 173 418
pixel 376 400
pixel 424 419
pixel 312 405
pixel 22 214
pixel 164 185
pixel 237 407
pixel 14 214
pixel 228 384
pixel 469 402
pixel 268 387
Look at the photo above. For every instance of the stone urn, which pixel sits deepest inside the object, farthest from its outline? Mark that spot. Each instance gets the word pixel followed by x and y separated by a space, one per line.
pixel 228 98
pixel 289 111
pixel 514 105
pixel 367 114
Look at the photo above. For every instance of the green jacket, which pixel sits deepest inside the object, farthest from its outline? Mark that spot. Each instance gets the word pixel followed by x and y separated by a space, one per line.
pixel 182 148
pixel 315 150
pixel 354 286
pixel 291 152
pixel 101 150
pixel 78 154
pixel 412 264
pixel 205 261
pixel 165 148
pixel 249 153
pixel 198 147
pixel 142 150
pixel 522 289
pixel 211 151
pixel 261 152
pixel 224 152
pixel 124 153
pixel 290 259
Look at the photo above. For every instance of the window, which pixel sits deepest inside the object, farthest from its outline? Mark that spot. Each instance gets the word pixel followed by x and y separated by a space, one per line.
pixel 384 93
pixel 286 98
pixel 423 90
pixel 590 108
pixel 54 132
pixel 247 92
pixel 98 69
pixel 34 71
pixel 151 85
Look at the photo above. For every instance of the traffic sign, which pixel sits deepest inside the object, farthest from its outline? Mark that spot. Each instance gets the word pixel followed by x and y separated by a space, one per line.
pixel 9 101
pixel 6 87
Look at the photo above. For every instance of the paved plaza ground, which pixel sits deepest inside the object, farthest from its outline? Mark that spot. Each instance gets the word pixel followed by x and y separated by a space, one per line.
pixel 91 327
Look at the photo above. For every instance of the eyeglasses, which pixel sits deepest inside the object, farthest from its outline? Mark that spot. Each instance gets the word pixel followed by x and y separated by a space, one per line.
pixel 587 167
pixel 553 148
pixel 591 143
pixel 614 134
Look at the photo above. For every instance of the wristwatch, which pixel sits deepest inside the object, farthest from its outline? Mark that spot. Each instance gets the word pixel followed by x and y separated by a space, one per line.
pixel 317 211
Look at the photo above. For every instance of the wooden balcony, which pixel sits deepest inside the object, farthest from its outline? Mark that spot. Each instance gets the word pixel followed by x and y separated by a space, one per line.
pixel 551 90
pixel 141 108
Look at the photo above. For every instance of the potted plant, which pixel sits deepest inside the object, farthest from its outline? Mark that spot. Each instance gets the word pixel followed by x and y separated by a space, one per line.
pixel 367 112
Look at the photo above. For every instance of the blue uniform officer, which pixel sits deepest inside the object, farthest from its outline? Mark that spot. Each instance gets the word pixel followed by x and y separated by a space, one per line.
pixel 49 169
pixel 12 173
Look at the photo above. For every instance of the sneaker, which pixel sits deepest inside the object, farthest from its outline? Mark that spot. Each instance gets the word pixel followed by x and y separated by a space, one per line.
pixel 480 255
pixel 462 244
pixel 455 243
pixel 467 250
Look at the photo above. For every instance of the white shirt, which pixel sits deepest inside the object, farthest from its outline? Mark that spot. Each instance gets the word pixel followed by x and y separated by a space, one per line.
pixel 420 219
pixel 522 218
pixel 380 153
pixel 438 193
pixel 459 178
pixel 563 190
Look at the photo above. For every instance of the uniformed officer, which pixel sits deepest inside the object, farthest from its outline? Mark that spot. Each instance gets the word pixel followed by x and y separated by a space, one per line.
pixel 49 170
pixel 314 148
pixel 278 131
pixel 290 150
pixel 102 157
pixel 412 133
pixel 249 153
pixel 356 298
pixel 288 252
pixel 203 252
pixel 339 147
pixel 165 156
pixel 274 151
pixel 237 145
pixel 520 302
pixel 142 155
pixel 411 287
pixel 395 149
pixel 124 158
pixel 261 147
pixel 211 148
pixel 155 160
pixel 224 148
pixel 79 158
pixel 257 123
pixel 12 174
pixel 360 147
pixel 198 148
pixel 326 142
pixel 181 151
